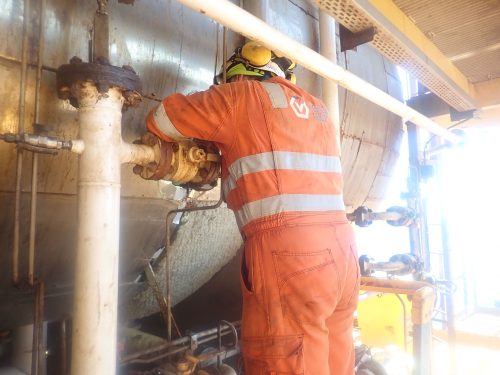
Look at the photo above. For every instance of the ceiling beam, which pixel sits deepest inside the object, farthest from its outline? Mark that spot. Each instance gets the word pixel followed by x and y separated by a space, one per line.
pixel 398 38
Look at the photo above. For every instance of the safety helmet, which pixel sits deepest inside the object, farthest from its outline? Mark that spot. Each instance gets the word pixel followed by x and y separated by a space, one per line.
pixel 253 59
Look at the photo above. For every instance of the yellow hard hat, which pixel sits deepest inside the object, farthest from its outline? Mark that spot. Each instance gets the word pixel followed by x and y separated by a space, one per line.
pixel 254 59
pixel 256 54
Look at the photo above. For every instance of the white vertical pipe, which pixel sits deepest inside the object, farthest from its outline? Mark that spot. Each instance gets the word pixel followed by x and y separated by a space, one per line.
pixel 96 282
pixel 330 89
pixel 237 19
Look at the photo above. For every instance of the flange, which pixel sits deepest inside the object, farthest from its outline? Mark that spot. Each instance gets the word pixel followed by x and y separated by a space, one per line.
pixel 103 75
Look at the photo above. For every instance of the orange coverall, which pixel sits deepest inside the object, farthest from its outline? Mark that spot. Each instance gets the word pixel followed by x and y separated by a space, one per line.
pixel 281 176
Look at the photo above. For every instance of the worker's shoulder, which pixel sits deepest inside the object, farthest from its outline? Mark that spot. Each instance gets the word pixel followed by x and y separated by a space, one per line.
pixel 294 90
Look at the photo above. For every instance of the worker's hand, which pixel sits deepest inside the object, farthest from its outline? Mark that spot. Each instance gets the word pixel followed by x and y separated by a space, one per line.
pixel 162 165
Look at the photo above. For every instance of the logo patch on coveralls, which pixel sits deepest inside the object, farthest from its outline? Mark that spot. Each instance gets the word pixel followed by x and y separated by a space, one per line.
pixel 299 107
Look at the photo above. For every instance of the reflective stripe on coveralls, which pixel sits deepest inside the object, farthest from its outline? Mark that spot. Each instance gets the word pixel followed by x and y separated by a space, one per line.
pixel 282 177
pixel 165 125
pixel 296 161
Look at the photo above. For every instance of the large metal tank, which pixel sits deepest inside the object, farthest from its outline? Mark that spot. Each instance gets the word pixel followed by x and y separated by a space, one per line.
pixel 173 50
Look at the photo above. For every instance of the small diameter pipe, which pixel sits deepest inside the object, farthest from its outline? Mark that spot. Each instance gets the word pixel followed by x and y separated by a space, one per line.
pixel 168 259
pixel 238 20
pixel 38 362
pixel 330 90
pixel 34 168
pixel 32 232
pixel 96 281
pixel 20 129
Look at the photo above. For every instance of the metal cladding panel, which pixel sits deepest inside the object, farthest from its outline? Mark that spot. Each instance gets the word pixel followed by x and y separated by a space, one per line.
pixel 204 239
pixel 371 136
pixel 173 50
pixel 467 32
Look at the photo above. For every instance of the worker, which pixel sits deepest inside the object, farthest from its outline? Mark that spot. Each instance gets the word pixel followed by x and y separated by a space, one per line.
pixel 281 176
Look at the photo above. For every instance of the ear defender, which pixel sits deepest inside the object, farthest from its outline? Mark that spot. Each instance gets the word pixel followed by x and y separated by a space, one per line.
pixel 291 77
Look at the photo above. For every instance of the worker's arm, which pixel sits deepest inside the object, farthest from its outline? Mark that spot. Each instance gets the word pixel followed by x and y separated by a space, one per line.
pixel 206 115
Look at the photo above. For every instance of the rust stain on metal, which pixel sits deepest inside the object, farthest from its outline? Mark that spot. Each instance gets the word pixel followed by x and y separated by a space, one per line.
pixel 103 75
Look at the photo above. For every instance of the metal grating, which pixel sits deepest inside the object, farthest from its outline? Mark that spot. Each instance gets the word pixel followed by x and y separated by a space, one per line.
pixel 352 17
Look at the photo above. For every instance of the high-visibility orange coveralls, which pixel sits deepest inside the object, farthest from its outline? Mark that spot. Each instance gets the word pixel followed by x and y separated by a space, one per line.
pixel 281 175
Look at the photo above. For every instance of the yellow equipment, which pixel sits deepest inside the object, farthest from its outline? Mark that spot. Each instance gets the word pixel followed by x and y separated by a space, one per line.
pixel 384 319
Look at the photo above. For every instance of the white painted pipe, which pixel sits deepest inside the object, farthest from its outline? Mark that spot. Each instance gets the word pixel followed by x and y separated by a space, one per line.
pixel 137 154
pixel 96 282
pixel 238 20
pixel 330 89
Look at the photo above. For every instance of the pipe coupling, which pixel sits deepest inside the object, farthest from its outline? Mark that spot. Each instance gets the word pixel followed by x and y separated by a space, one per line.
pixel 192 163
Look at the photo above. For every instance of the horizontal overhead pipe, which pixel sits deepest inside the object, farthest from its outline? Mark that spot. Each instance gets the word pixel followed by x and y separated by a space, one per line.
pixel 240 21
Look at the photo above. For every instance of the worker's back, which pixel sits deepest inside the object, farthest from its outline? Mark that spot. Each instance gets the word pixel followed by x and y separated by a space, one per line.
pixel 283 161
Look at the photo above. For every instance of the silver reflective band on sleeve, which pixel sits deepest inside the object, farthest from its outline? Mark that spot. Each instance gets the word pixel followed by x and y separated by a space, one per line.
pixel 227 185
pixel 276 94
pixel 299 161
pixel 289 203
pixel 165 125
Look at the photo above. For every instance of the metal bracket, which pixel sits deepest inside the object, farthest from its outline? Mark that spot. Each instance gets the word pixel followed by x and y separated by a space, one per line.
pixel 350 40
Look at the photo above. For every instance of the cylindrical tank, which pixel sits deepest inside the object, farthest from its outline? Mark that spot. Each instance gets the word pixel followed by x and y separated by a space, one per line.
pixel 172 49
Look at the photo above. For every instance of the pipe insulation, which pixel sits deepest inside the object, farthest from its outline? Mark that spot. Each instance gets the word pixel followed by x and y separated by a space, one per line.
pixel 240 21
pixel 96 273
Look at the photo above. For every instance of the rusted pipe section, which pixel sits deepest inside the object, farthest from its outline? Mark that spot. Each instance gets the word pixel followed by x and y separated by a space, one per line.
pixel 100 34
pixel 38 352
pixel 160 299
pixel 20 129
pixel 240 21
pixel 167 263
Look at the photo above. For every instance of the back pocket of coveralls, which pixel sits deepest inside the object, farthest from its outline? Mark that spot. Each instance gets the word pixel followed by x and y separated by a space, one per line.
pixel 274 355
pixel 308 285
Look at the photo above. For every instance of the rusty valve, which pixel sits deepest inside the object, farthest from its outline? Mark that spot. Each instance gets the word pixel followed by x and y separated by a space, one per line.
pixel 188 162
